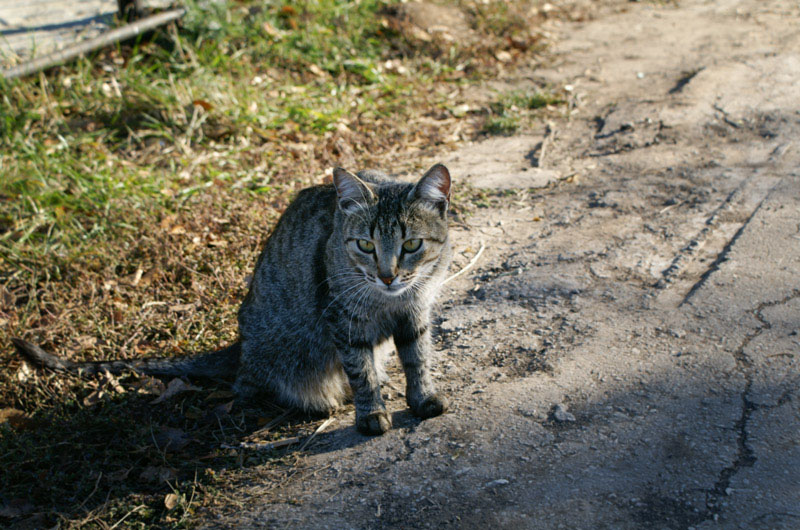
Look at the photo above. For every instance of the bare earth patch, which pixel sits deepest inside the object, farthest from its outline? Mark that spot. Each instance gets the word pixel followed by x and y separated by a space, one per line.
pixel 624 355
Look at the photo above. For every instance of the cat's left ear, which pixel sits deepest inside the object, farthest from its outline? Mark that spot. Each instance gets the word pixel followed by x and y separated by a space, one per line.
pixel 351 190
pixel 434 187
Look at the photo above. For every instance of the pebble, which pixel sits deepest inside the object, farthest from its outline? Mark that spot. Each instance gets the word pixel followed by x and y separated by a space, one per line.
pixel 561 414
pixel 498 482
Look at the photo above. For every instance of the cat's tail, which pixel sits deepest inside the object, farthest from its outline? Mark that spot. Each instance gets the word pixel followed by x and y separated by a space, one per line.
pixel 220 364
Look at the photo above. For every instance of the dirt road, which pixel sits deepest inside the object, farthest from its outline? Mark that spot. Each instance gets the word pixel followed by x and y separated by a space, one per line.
pixel 626 352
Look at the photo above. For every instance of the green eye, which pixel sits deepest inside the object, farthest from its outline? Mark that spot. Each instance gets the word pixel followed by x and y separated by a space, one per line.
pixel 366 246
pixel 412 245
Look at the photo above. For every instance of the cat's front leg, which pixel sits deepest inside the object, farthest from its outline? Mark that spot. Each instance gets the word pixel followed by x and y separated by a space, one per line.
pixel 359 365
pixel 414 346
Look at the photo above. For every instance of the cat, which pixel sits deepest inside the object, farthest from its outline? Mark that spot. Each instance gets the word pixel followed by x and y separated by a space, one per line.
pixel 349 266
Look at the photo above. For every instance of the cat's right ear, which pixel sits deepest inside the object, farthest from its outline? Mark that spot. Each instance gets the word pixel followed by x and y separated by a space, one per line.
pixel 433 189
pixel 351 190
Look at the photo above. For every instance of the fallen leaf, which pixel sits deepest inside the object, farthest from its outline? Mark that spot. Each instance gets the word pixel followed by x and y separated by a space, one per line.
pixel 220 394
pixel 193 413
pixel 15 418
pixel 171 439
pixel 175 387
pixel 316 70
pixel 272 31
pixel 25 372
pixel 94 398
pixel 168 221
pixel 219 412
pixel 158 474
pixel 150 385
pixel 171 500
pixel 503 56
pixel 7 298
pixel 109 380
pixel 136 277
pixel 203 103
pixel 85 342
pixel 181 308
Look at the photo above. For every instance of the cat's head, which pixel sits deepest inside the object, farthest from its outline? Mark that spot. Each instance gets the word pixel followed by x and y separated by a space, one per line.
pixel 394 233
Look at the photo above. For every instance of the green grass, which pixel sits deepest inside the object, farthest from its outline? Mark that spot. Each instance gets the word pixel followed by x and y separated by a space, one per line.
pixel 512 110
pixel 145 178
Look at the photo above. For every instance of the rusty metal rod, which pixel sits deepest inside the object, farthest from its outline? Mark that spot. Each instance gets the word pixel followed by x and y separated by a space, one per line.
pixel 125 32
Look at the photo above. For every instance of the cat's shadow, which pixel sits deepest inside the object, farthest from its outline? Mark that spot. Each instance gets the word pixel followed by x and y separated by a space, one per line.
pixel 73 458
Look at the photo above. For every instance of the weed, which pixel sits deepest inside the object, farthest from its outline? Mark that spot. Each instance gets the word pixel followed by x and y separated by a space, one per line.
pixel 511 110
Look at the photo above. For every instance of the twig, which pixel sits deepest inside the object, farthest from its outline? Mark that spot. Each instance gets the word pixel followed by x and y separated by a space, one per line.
pixel 125 32
pixel 319 430
pixel 96 483
pixel 261 446
pixel 468 266
pixel 136 509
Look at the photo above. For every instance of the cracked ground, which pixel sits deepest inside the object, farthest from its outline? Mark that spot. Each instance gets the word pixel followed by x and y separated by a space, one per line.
pixel 626 351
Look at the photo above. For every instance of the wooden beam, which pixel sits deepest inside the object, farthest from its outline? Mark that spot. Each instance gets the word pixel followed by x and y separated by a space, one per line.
pixel 89 45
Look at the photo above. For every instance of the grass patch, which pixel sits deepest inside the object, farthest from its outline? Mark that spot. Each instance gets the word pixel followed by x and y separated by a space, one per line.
pixel 513 110
pixel 136 189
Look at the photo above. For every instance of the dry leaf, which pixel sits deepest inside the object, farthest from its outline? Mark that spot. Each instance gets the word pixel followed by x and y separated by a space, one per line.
pixel 203 103
pixel 25 372
pixel 181 308
pixel 316 70
pixel 219 412
pixel 171 500
pixel 15 418
pixel 171 439
pixel 158 474
pixel 136 277
pixel 220 394
pixel 503 56
pixel 85 342
pixel 150 385
pixel 272 31
pixel 94 398
pixel 114 383
pixel 175 387
pixel 7 298
pixel 119 476
pixel 168 221
pixel 217 243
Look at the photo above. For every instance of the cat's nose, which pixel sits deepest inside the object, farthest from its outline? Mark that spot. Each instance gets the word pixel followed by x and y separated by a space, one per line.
pixel 387 279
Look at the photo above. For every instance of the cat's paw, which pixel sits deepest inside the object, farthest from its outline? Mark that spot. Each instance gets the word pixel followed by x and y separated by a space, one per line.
pixel 431 406
pixel 374 423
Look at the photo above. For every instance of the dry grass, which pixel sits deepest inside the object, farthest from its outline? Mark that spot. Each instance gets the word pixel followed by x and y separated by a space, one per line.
pixel 137 189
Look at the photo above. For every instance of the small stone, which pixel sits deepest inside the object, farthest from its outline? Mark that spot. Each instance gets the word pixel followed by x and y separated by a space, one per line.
pixel 498 482
pixel 561 414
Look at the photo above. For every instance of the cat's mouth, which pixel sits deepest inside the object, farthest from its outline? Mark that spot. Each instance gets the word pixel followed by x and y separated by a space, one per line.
pixel 395 288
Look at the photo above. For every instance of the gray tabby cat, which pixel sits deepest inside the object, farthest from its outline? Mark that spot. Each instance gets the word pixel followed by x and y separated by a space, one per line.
pixel 347 267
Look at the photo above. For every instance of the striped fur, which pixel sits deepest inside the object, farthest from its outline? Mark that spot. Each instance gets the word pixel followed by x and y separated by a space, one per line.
pixel 321 309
